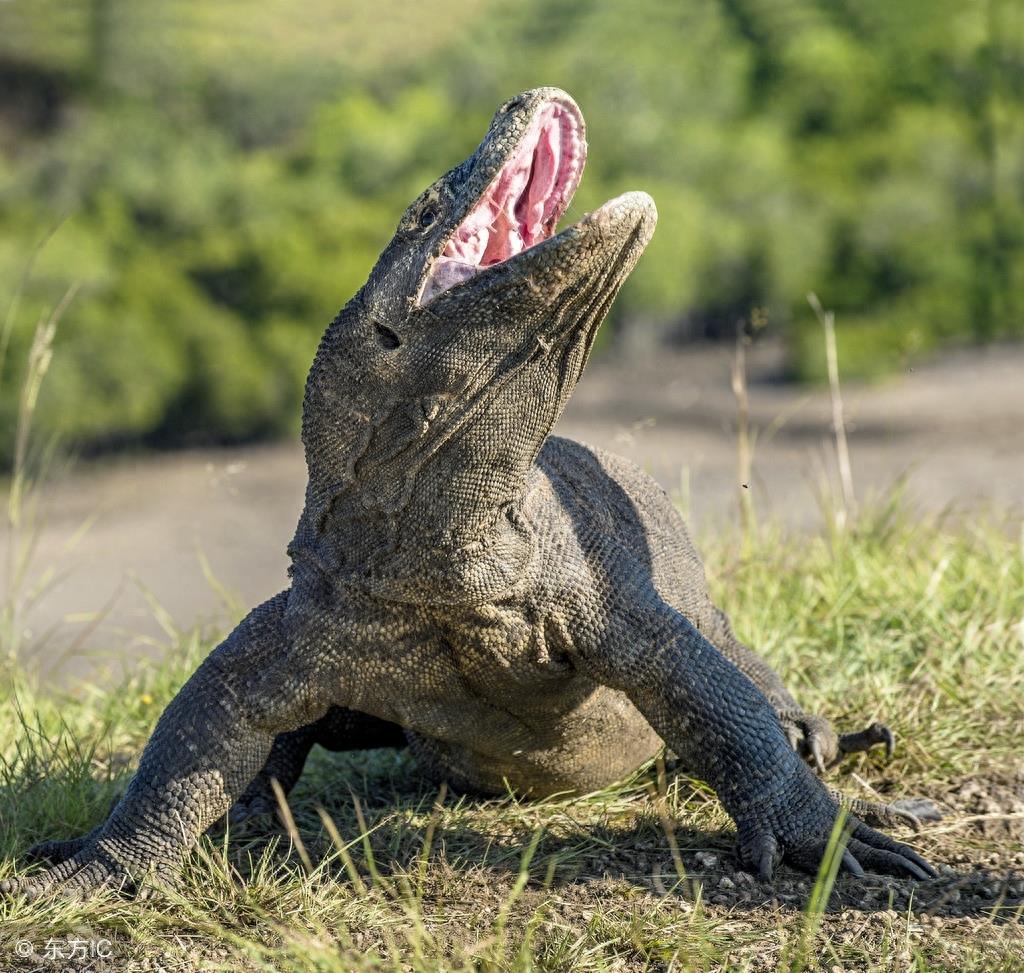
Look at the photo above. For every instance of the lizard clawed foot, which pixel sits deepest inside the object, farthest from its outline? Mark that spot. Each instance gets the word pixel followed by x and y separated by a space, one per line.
pixel 795 826
pixel 814 739
pixel 96 863
pixel 257 805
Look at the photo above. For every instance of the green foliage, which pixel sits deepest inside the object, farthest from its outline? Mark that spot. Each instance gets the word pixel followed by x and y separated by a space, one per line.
pixel 224 177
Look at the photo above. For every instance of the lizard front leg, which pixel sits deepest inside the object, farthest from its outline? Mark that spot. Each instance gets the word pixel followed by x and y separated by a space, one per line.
pixel 718 721
pixel 207 746
pixel 813 738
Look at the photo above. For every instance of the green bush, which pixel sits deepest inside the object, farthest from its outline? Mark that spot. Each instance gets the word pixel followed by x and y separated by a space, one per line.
pixel 222 185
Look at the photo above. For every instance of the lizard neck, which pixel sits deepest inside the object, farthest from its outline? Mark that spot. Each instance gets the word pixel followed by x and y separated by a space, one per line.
pixel 464 538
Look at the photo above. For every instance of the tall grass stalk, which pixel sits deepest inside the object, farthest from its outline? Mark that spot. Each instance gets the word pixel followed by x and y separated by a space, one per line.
pixel 744 440
pixel 847 510
pixel 26 479
pixel 817 902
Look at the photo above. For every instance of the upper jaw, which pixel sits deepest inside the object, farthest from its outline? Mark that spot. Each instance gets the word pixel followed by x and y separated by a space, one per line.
pixel 524 175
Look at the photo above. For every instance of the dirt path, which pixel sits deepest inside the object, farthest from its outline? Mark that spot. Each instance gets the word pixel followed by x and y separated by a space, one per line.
pixel 954 427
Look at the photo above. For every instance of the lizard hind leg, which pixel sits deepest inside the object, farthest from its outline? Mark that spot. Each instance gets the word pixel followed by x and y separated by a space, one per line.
pixel 338 729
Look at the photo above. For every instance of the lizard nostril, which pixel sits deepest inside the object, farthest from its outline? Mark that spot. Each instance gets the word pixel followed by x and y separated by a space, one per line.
pixel 386 337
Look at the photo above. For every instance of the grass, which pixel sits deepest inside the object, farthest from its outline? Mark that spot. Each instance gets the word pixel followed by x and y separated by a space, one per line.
pixel 919 623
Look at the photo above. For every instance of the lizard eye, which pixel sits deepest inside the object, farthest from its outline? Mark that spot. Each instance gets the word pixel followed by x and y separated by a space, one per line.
pixel 428 216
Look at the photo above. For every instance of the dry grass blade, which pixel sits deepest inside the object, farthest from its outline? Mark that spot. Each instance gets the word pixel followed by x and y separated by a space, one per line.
pixel 342 849
pixel 289 823
pixel 25 483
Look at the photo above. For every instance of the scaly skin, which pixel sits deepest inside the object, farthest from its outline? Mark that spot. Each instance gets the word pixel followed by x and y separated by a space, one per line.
pixel 524 610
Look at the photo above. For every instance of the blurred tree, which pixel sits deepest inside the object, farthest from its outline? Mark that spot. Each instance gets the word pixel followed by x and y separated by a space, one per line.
pixel 226 174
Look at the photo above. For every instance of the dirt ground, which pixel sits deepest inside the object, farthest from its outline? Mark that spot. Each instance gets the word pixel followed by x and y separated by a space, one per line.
pixel 954 428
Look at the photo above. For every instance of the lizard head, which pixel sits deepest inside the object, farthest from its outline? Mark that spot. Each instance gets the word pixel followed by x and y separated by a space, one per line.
pixel 461 350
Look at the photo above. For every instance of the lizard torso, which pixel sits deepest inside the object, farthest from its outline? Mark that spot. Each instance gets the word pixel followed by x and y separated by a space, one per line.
pixel 489 693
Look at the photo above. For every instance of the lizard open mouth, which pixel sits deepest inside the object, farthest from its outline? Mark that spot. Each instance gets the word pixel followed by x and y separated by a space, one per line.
pixel 523 203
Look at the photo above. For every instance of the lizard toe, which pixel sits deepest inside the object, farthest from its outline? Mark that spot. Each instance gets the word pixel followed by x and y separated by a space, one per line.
pixel 55 852
pixel 881 853
pixel 872 736
pixel 761 853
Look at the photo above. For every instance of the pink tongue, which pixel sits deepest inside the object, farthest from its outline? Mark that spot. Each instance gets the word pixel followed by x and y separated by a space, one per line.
pixel 505 239
pixel 448 271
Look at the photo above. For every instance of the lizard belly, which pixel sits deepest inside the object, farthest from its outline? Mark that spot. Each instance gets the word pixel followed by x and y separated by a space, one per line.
pixel 600 741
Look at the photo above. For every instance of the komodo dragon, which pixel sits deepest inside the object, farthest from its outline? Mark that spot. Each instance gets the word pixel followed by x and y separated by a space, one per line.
pixel 522 610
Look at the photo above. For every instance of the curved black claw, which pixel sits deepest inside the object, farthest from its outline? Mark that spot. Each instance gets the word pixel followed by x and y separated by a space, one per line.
pixel 866 739
pixel 850 864
pixel 765 854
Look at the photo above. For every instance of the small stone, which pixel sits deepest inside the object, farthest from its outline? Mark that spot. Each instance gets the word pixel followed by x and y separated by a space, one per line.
pixel 726 883
pixel 706 860
pixel 743 878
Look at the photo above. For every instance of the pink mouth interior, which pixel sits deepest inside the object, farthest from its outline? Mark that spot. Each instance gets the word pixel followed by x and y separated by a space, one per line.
pixel 521 206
